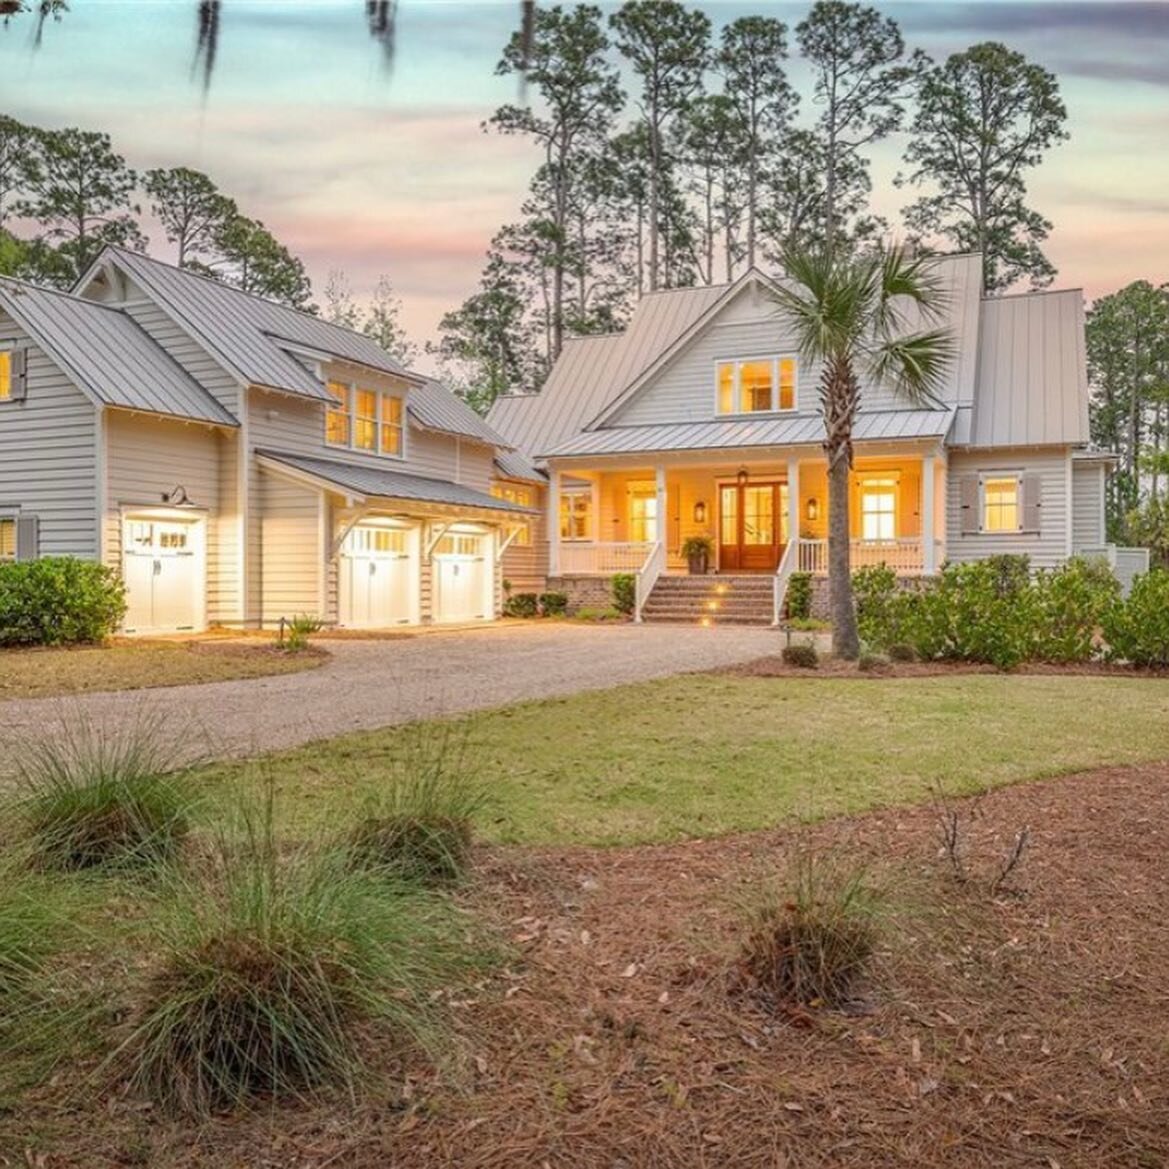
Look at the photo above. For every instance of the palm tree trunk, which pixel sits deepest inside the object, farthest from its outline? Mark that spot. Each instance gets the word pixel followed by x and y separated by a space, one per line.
pixel 839 400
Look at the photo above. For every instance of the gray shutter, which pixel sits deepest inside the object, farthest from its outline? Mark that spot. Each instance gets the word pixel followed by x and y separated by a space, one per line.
pixel 19 375
pixel 28 537
pixel 968 495
pixel 1032 492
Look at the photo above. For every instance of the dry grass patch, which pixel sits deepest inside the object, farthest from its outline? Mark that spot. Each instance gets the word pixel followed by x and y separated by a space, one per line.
pixel 139 665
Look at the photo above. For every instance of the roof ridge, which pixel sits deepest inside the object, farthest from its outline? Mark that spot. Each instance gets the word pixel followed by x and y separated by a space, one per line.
pixel 1032 292
pixel 66 294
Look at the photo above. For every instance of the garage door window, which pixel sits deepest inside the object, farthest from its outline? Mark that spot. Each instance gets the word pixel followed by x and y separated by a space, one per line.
pixel 458 546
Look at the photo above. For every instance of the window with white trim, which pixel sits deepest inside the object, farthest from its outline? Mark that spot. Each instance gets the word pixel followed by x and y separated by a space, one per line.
pixel 576 515
pixel 362 419
pixel 878 499
pixel 1002 503
pixel 7 538
pixel 756 385
pixel 5 375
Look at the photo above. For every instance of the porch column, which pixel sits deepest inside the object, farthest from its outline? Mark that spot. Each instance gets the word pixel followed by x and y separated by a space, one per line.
pixel 660 477
pixel 793 499
pixel 553 522
pixel 929 558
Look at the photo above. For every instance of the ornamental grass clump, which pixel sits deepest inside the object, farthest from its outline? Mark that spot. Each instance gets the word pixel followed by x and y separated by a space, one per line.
pixel 97 796
pixel 421 826
pixel 28 926
pixel 810 941
pixel 277 970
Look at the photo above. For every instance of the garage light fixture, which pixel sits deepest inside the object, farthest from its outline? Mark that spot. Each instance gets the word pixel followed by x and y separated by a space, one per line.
pixel 178 497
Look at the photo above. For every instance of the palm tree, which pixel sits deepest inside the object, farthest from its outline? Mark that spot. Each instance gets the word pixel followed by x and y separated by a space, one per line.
pixel 852 315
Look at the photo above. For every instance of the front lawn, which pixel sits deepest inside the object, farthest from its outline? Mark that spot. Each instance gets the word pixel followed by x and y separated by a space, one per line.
pixel 40 673
pixel 708 754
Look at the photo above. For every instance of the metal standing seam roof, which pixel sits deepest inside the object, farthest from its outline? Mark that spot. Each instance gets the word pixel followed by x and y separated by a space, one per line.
pixel 436 408
pixel 517 465
pixel 249 334
pixel 387 484
pixel 795 430
pixel 1032 376
pixel 107 355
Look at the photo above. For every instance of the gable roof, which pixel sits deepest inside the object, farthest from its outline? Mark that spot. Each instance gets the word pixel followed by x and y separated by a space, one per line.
pixel 436 408
pixel 1033 372
pixel 252 337
pixel 107 355
pixel 517 465
pixel 388 484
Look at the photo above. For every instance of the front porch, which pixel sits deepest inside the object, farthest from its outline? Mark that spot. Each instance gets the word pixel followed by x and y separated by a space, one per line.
pixel 763 518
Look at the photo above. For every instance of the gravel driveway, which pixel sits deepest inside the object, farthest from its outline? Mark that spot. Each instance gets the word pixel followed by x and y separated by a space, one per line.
pixel 369 684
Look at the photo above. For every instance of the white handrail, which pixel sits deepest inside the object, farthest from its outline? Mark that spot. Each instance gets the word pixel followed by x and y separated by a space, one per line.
pixel 783 575
pixel 647 576
pixel 597 558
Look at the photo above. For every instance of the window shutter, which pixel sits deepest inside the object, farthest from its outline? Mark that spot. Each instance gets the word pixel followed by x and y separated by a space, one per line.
pixel 968 496
pixel 19 375
pixel 28 537
pixel 1031 487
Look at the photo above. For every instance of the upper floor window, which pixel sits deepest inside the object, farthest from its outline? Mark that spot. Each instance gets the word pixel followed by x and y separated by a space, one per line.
pixel 7 538
pixel 1000 504
pixel 754 386
pixel 524 497
pixel 365 420
pixel 5 375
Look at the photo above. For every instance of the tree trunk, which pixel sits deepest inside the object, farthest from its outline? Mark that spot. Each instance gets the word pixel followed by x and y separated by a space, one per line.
pixel 839 400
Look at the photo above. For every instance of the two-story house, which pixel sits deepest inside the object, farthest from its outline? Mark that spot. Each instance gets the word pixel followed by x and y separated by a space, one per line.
pixel 240 462
pixel 701 419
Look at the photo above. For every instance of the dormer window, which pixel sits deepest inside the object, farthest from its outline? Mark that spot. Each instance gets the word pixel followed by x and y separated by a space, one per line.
pixel 756 385
pixel 361 419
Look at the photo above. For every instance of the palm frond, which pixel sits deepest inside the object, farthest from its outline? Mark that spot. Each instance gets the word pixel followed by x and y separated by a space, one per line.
pixel 914 366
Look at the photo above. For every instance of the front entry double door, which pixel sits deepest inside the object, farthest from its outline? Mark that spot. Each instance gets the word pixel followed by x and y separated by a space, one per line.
pixel 751 526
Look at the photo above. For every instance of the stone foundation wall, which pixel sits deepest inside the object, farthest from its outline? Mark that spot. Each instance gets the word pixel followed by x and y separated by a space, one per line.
pixel 584 592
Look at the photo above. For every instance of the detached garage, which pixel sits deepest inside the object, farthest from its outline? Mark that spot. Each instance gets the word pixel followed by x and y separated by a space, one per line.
pixel 404 549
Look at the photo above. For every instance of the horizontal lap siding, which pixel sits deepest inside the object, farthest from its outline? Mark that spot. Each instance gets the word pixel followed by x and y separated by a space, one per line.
pixel 1048 547
pixel 292 552
pixel 1087 505
pixel 526 566
pixel 48 455
pixel 148 457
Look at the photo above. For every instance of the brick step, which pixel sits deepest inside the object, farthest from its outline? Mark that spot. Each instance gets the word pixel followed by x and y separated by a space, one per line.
pixel 707 619
pixel 716 589
pixel 674 605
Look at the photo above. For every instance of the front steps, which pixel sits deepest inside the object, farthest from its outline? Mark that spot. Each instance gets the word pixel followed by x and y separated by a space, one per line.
pixel 711 600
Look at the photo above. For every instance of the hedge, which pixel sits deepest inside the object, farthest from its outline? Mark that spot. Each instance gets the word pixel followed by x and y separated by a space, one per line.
pixel 59 600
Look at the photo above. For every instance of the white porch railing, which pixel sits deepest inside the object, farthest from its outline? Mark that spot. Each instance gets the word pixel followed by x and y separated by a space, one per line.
pixel 783 575
pixel 903 555
pixel 594 558
pixel 647 576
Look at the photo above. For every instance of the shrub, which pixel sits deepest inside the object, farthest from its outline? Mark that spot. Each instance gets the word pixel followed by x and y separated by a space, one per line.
pixel 421 826
pixel 1069 606
pixel 268 968
pixel 799 596
pixel 804 656
pixel 624 592
pixel 1137 629
pixel 899 651
pixel 879 605
pixel 809 941
pixel 808 624
pixel 1011 572
pixel 95 797
pixel 59 601
pixel 521 605
pixel 554 604
pixel 871 662
pixel 299 630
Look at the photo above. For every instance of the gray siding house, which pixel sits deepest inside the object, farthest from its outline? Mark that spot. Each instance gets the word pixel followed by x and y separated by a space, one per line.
pixel 240 462
pixel 701 419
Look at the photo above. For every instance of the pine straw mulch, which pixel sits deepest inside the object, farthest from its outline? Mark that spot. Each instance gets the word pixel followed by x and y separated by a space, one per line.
pixel 1023 1030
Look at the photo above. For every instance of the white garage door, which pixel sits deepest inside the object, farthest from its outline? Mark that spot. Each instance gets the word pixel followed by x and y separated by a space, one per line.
pixel 379 577
pixel 163 567
pixel 463 571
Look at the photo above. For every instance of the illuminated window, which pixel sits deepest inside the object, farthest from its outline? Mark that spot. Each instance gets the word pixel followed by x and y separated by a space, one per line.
pixel 337 417
pixel 576 515
pixel 1000 504
pixel 391 419
pixel 7 539
pixel 760 385
pixel 365 420
pixel 458 546
pixel 5 376
pixel 524 497
pixel 879 509
pixel 643 514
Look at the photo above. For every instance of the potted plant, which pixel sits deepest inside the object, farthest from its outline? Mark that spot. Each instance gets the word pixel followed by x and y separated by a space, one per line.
pixel 697 550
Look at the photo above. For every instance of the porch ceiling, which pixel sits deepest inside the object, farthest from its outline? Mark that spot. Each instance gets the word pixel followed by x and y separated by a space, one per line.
pixel 742 434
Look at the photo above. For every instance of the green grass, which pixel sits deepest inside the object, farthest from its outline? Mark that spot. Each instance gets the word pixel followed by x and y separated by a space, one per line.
pixel 703 755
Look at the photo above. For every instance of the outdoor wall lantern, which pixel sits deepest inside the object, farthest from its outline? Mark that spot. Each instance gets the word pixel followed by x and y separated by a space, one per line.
pixel 742 476
pixel 813 509
pixel 700 512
